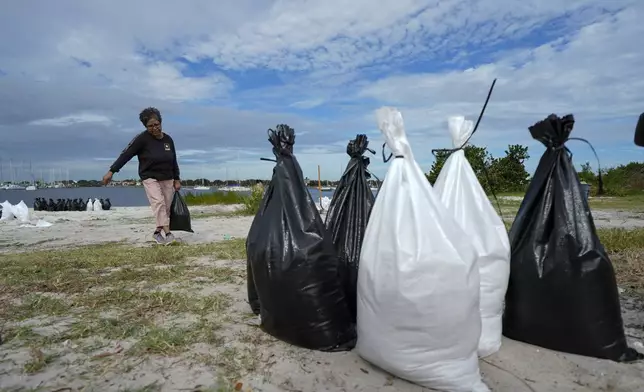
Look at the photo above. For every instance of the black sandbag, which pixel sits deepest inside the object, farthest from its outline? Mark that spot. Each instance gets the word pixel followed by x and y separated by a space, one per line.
pixel 179 214
pixel 348 214
pixel 292 265
pixel 562 293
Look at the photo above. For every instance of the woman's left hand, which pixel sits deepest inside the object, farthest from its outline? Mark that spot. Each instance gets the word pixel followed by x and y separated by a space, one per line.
pixel 177 185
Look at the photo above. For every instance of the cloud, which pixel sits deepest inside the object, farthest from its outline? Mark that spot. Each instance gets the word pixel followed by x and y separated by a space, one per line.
pixel 78 73
pixel 66 121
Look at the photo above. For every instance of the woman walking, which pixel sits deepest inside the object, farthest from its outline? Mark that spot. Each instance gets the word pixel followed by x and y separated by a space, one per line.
pixel 158 170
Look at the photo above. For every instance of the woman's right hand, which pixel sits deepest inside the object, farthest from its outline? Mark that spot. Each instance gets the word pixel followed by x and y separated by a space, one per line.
pixel 107 178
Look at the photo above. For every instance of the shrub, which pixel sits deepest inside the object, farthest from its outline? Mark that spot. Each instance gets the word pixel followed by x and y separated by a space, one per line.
pixel 254 201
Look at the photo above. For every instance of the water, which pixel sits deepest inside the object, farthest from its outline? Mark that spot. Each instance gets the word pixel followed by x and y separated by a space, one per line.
pixel 119 196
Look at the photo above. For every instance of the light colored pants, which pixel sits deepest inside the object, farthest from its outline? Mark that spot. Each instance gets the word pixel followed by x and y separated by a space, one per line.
pixel 160 194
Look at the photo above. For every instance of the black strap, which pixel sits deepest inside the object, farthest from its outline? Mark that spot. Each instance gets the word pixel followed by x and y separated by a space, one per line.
pixel 485 172
pixel 387 159
pixel 600 182
pixel 268 159
pixel 478 121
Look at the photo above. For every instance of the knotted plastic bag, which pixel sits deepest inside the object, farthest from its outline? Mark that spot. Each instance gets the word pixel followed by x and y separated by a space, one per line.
pixel 418 283
pixel 349 212
pixel 293 269
pixel 465 198
pixel 179 214
pixel 562 293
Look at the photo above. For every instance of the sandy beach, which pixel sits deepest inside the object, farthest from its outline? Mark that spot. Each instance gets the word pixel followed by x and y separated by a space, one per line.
pixel 175 318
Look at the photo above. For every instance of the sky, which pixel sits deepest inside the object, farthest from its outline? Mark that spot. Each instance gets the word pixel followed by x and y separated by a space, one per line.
pixel 75 74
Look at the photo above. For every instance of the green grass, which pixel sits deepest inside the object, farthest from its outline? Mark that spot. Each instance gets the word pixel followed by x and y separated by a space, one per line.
pixel 634 203
pixel 79 270
pixel 151 296
pixel 620 240
pixel 250 202
pixel 211 198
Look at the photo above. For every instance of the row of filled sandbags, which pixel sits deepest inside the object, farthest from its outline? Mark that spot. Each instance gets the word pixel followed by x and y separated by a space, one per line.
pixel 78 204
pixel 426 278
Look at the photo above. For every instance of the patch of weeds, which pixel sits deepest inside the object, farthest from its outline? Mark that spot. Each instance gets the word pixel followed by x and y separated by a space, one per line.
pixel 108 328
pixel 163 341
pixel 253 202
pixel 152 275
pixel 224 274
pixel 624 203
pixel 38 361
pixel 255 336
pixel 173 340
pixel 220 214
pixel 619 240
pixel 629 270
pixel 21 333
pixel 211 198
pixel 235 362
pixel 137 312
pixel 78 270
pixel 154 387
pixel 139 302
pixel 34 305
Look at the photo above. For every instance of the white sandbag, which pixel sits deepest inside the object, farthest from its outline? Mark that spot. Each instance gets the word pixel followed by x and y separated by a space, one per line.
pixel 7 211
pixel 90 205
pixel 97 205
pixel 21 212
pixel 464 197
pixel 418 284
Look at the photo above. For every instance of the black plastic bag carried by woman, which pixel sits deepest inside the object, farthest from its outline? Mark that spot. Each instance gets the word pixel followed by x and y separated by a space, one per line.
pixel 349 212
pixel 292 265
pixel 179 214
pixel 562 293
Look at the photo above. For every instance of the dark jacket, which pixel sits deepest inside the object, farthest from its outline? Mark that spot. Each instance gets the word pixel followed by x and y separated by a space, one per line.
pixel 157 157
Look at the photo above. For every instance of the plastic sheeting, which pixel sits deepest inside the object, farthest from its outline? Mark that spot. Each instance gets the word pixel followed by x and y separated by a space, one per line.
pixel 463 195
pixel 292 265
pixel 418 283
pixel 19 211
pixel 562 293
pixel 7 211
pixel 349 212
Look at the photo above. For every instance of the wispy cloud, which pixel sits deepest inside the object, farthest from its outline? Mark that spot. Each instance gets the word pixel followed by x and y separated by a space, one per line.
pixel 241 66
pixel 65 121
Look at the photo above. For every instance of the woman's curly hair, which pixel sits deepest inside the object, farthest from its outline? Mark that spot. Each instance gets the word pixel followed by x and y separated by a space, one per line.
pixel 149 113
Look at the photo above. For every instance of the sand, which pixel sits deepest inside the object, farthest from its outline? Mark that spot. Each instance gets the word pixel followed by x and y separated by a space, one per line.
pixel 517 367
pixel 129 224
pixel 134 225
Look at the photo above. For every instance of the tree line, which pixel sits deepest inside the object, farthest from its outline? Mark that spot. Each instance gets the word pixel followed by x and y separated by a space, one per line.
pixel 508 174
